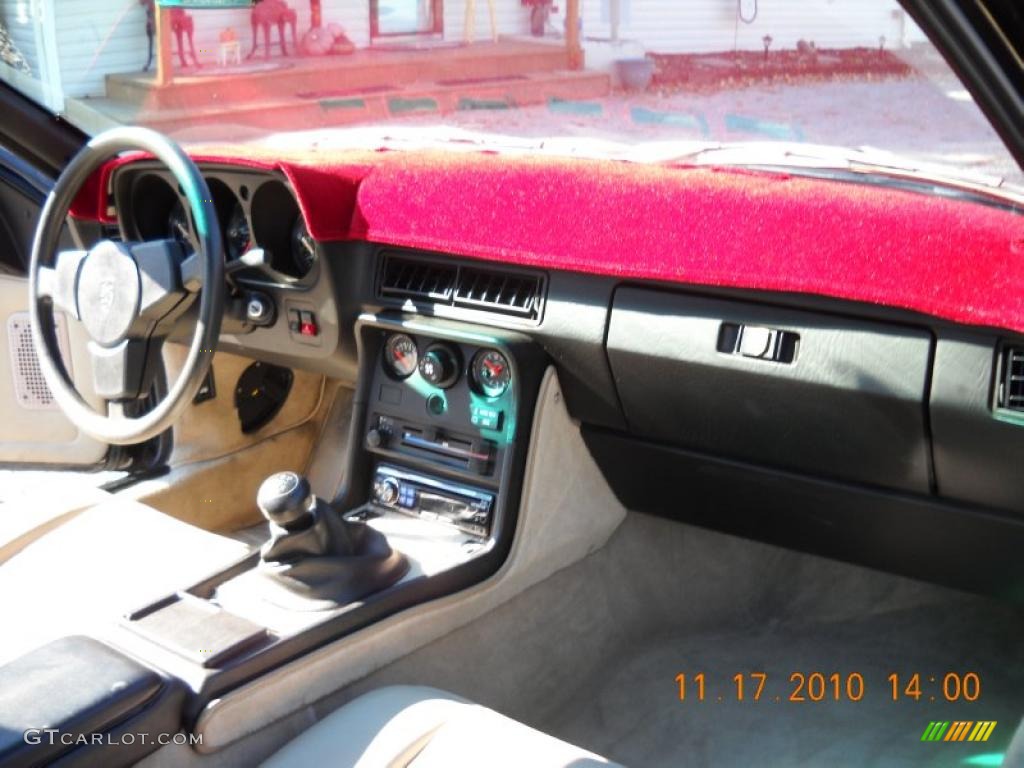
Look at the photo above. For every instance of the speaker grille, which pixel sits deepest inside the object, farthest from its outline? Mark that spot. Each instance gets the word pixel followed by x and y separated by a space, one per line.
pixel 30 388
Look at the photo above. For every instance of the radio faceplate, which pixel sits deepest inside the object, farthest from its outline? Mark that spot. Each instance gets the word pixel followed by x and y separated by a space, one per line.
pixel 469 509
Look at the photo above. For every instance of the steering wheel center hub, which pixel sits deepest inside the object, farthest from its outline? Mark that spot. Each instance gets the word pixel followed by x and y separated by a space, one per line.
pixel 108 292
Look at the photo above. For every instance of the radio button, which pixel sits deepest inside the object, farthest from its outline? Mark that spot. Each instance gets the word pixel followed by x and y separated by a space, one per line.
pixel 485 417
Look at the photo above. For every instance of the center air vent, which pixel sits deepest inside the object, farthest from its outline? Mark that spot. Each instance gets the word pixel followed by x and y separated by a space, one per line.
pixel 493 290
pixel 498 291
pixel 1011 385
pixel 417 279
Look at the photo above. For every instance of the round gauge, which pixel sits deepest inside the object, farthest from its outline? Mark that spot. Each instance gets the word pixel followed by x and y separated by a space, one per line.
pixel 178 227
pixel 303 247
pixel 400 355
pixel 491 372
pixel 440 365
pixel 236 234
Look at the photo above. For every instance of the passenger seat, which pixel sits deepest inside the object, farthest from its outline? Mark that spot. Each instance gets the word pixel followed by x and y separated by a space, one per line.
pixel 422 727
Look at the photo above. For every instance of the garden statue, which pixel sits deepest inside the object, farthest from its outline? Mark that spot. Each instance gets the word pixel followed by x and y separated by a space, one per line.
pixel 267 13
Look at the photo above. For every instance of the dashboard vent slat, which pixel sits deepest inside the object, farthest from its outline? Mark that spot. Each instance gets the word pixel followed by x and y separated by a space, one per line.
pixel 407 278
pixel 1011 389
pixel 482 288
pixel 499 292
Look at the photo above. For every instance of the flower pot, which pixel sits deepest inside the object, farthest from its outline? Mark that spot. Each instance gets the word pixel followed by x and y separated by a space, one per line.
pixel 634 74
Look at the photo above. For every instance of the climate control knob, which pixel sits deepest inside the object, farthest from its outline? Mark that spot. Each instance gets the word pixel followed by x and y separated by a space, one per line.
pixel 386 491
pixel 440 366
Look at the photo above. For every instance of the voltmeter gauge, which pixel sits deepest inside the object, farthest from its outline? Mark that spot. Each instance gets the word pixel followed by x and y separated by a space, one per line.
pixel 400 355
pixel 491 372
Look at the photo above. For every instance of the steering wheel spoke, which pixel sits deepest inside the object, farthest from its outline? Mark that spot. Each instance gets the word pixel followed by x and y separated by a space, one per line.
pixel 59 283
pixel 159 263
pixel 122 371
pixel 191 273
pixel 115 410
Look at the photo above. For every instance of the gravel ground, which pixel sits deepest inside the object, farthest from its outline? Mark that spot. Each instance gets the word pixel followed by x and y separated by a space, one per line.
pixel 928 119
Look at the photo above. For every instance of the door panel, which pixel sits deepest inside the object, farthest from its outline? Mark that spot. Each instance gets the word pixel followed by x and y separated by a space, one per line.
pixel 33 430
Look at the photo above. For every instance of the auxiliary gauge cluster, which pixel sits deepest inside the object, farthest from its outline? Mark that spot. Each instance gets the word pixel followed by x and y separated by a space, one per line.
pixel 441 421
pixel 443 365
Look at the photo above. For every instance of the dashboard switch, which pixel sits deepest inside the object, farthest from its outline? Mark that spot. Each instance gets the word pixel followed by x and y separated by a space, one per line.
pixel 307 324
pixel 303 325
pixel 485 417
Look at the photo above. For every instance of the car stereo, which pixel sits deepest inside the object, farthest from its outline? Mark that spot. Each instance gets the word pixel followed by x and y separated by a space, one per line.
pixel 467 508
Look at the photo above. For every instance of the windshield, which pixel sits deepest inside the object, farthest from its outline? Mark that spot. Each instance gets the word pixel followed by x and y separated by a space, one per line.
pixel 604 77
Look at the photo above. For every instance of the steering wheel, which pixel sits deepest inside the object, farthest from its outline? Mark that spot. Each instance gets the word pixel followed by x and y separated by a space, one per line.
pixel 128 296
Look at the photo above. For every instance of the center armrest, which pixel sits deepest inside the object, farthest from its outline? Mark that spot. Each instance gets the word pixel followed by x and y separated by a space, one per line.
pixel 59 697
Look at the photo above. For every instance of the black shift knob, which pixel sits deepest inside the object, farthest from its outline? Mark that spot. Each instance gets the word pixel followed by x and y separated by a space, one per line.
pixel 284 498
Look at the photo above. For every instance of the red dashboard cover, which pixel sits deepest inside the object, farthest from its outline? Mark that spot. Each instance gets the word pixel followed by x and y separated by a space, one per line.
pixel 957 260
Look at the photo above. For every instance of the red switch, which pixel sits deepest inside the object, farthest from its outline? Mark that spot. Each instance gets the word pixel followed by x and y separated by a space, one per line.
pixel 307 324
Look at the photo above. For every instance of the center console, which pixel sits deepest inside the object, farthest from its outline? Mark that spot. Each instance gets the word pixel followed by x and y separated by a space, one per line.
pixel 441 426
pixel 437 442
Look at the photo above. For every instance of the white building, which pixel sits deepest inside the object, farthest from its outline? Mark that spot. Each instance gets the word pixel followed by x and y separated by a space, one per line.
pixel 76 43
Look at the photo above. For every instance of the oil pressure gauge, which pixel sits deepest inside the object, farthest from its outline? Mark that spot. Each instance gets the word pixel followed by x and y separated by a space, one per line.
pixel 400 355
pixel 491 372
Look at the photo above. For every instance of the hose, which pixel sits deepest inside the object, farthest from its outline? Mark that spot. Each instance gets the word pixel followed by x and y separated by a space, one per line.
pixel 744 18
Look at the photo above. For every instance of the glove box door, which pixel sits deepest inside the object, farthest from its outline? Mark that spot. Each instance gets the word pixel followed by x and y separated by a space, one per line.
pixel 813 393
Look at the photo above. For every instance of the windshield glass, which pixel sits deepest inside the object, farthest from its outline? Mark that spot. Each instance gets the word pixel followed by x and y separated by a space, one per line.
pixel 633 78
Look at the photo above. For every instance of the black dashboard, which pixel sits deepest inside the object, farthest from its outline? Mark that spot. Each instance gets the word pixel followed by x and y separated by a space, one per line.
pixel 857 431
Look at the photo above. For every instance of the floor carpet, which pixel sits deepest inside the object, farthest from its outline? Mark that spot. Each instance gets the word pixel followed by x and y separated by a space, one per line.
pixel 591 655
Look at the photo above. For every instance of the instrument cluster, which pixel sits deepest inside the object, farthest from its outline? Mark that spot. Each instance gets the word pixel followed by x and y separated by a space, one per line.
pixel 254 211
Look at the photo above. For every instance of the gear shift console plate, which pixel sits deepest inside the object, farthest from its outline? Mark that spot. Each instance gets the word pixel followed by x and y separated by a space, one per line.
pixel 315 560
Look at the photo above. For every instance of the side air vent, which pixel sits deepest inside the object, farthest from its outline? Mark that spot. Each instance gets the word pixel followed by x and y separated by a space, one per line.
pixel 1011 385
pixel 491 290
pixel 416 279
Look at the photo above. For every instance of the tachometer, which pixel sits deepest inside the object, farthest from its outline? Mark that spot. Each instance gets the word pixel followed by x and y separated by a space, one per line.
pixel 236 234
pixel 400 355
pixel 491 372
pixel 303 247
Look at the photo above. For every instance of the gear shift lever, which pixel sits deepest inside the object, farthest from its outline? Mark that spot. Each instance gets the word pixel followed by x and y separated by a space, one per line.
pixel 286 500
pixel 314 553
